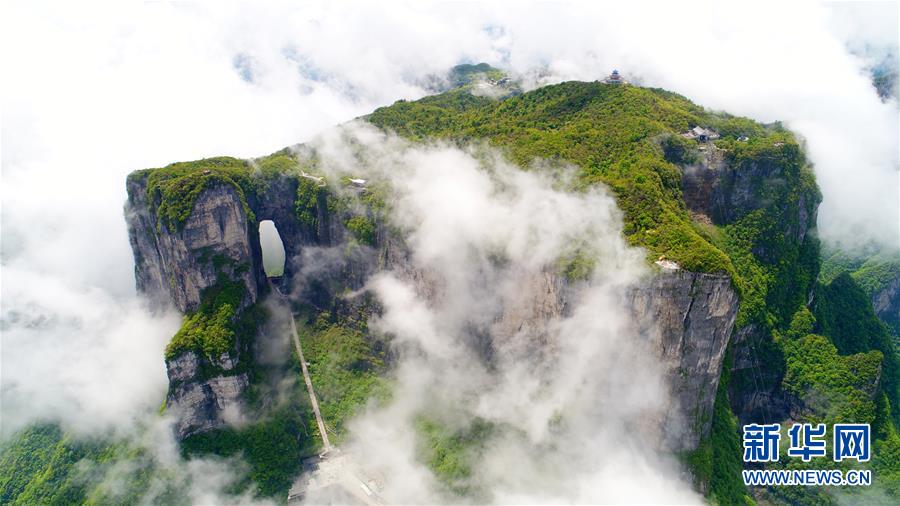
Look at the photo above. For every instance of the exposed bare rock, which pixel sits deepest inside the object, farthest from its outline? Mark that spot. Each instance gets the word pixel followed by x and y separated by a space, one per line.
pixel 688 317
pixel 523 323
pixel 216 238
pixel 718 191
pixel 202 403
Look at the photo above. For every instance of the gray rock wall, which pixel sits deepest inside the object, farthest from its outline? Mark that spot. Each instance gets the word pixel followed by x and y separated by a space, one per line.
pixel 175 267
pixel 886 303
pixel 217 238
pixel 686 316
pixel 202 403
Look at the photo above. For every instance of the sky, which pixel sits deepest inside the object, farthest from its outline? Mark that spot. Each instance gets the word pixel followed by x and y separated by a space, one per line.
pixel 91 92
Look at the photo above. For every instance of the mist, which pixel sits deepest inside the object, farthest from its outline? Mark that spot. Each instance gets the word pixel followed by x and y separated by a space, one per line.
pixel 486 335
pixel 92 92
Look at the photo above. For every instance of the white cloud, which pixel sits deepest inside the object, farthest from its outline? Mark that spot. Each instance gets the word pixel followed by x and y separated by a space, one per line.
pixel 91 92
pixel 78 354
pixel 482 331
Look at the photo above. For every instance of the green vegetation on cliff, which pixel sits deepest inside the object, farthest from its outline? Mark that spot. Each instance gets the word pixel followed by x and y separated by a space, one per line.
pixel 776 260
pixel 37 466
pixel 468 74
pixel 886 464
pixel 844 313
pixel 273 447
pixel 617 135
pixel 831 387
pixel 627 138
pixel 825 384
pixel 345 369
pixel 276 433
pixel 309 194
pixel 449 453
pixel 873 269
pixel 210 330
pixel 173 190
pixel 43 465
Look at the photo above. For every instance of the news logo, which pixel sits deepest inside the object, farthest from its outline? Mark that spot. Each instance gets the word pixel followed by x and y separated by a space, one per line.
pixel 849 441
pixel 807 441
pixel 761 442
pixel 811 446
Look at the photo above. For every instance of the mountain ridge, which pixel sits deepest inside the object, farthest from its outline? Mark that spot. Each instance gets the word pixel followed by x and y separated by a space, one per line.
pixel 736 215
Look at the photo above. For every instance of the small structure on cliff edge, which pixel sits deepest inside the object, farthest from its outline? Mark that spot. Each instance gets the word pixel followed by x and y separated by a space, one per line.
pixel 615 78
pixel 667 265
pixel 320 181
pixel 700 134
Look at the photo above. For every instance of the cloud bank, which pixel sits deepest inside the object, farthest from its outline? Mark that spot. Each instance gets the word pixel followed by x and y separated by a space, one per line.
pixel 487 334
pixel 92 92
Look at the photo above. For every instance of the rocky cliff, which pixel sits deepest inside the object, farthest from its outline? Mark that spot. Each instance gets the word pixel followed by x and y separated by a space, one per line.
pixel 687 316
pixel 732 222
pixel 723 188
pixel 177 265
pixel 202 402
pixel 886 303
pixel 736 217
pixel 217 239
pixel 767 204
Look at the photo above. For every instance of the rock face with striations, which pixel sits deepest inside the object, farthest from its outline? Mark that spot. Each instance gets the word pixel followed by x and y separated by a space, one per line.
pixel 723 192
pixel 217 238
pixel 177 266
pixel 688 317
pixel 203 403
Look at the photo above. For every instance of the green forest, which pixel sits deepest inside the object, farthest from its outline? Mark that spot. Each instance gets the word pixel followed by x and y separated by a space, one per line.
pixel 806 310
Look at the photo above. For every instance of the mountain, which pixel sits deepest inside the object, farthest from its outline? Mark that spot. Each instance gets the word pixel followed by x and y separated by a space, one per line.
pixel 732 312
pixel 875 271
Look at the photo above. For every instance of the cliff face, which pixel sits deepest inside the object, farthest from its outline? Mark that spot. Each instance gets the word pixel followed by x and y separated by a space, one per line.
pixel 724 191
pixel 768 192
pixel 217 239
pixel 752 199
pixel 686 316
pixel 217 242
pixel 201 402
pixel 886 302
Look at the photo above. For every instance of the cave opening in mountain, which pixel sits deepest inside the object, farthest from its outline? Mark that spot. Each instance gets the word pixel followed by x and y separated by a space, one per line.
pixel 272 249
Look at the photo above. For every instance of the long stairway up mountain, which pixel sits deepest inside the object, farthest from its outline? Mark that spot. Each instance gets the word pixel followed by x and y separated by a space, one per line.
pixel 326 445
